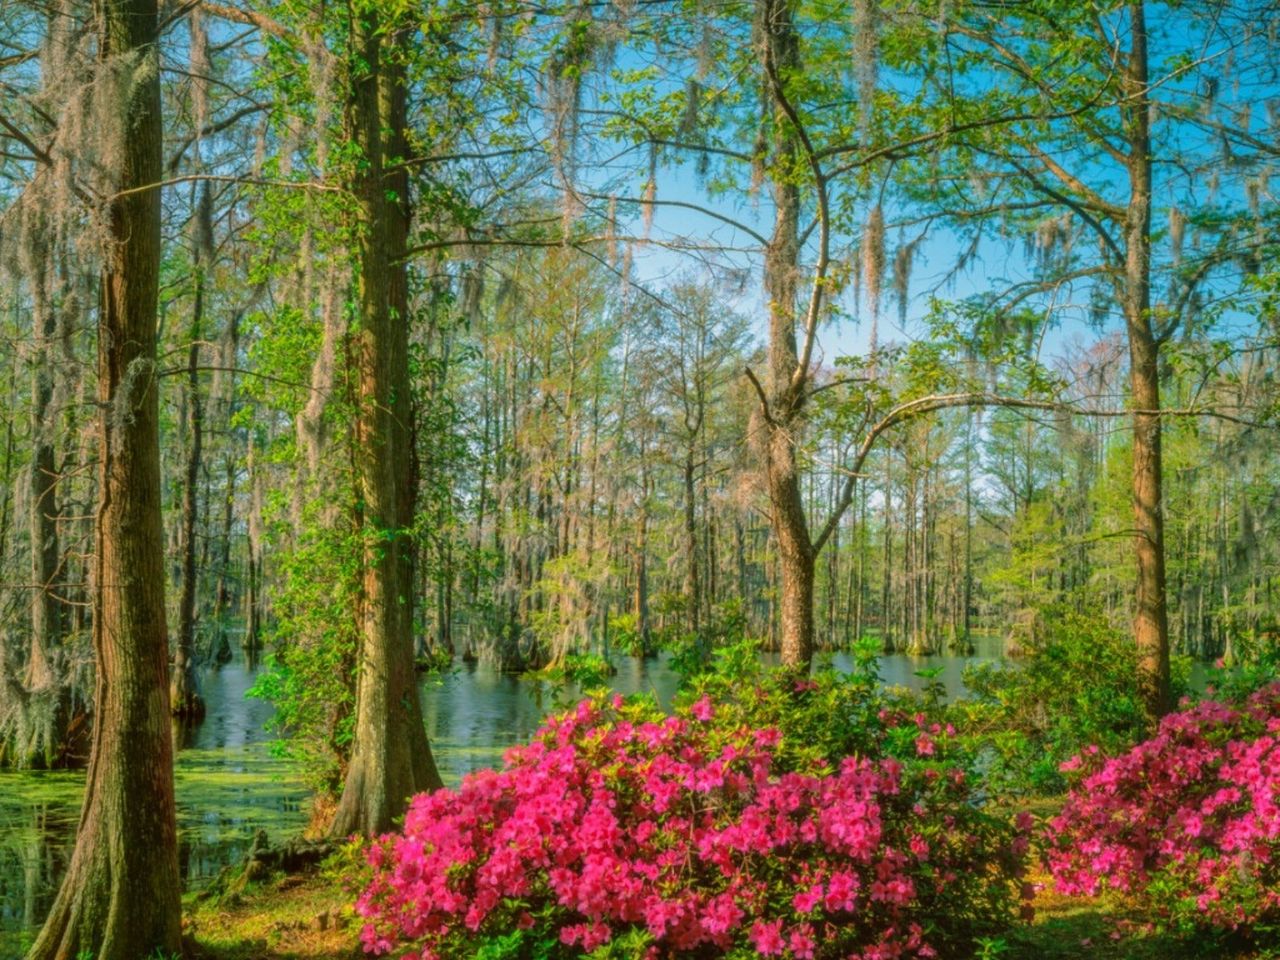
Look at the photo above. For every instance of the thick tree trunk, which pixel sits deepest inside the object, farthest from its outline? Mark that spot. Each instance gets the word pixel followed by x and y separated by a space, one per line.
pixel 119 898
pixel 1151 621
pixel 45 609
pixel 783 420
pixel 184 691
pixel 391 759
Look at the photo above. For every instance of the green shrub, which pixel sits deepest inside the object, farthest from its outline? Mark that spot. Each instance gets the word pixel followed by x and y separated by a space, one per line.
pixel 1076 686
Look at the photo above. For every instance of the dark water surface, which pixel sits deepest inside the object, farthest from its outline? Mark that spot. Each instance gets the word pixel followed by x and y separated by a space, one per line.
pixel 229 785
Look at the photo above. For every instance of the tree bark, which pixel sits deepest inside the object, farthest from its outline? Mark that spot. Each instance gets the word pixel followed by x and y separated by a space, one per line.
pixel 692 581
pixel 391 759
pixel 783 415
pixel 45 609
pixel 119 898
pixel 184 691
pixel 1151 619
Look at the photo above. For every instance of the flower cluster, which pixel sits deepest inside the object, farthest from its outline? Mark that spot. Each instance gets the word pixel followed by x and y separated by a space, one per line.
pixel 681 836
pixel 1189 819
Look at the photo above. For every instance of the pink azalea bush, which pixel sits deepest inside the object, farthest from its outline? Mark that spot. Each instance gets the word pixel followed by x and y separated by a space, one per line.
pixel 620 832
pixel 1189 819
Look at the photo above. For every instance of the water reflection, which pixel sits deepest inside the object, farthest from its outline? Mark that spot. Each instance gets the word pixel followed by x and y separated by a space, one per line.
pixel 229 785
pixel 473 714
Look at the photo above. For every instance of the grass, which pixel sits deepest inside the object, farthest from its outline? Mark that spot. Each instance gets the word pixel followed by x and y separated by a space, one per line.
pixel 310 918
pixel 305 917
pixel 1107 928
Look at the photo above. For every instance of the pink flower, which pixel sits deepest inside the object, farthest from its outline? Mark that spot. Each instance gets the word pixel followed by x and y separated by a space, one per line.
pixel 806 901
pixel 1183 817
pixel 801 942
pixel 695 831
pixel 767 938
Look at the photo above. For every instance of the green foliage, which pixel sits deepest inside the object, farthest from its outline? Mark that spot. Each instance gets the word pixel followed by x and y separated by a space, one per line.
pixel 724 636
pixel 310 676
pixel 827 716
pixel 587 670
pixel 624 634
pixel 1076 686
pixel 435 660
pixel 1260 667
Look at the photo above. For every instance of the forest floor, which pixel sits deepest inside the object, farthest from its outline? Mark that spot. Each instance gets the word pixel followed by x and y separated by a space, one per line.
pixel 294 917
pixel 309 917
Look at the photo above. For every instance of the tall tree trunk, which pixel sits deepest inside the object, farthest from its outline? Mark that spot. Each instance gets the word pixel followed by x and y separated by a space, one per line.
pixel 1151 620
pixel 967 598
pixel 692 580
pixel 640 559
pixel 783 419
pixel 44 501
pixel 224 395
pixel 391 759
pixel 184 692
pixel 119 898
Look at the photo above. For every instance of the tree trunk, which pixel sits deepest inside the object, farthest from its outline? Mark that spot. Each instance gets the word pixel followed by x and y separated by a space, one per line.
pixel 224 392
pixel 119 899
pixel 42 680
pixel 184 692
pixel 1151 623
pixel 391 759
pixel 692 581
pixel 783 417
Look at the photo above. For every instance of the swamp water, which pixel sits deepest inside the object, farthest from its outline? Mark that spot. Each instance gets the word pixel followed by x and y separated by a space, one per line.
pixel 230 785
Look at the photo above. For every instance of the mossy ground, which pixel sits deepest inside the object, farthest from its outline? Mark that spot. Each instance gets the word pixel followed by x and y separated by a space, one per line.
pixel 305 917
pixel 310 918
pixel 1109 928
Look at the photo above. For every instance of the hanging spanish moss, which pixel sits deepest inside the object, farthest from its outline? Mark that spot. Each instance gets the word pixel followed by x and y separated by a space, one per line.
pixel 611 231
pixel 200 69
pixel 1177 228
pixel 562 87
pixel 706 52
pixel 624 272
pixel 903 259
pixel 646 205
pixel 866 45
pixel 855 269
pixel 650 192
pixel 494 35
pixel 873 260
pixel 692 101
pixel 1051 242
pixel 1209 95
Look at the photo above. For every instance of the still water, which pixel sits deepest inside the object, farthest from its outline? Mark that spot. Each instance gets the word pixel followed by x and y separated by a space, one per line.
pixel 229 785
